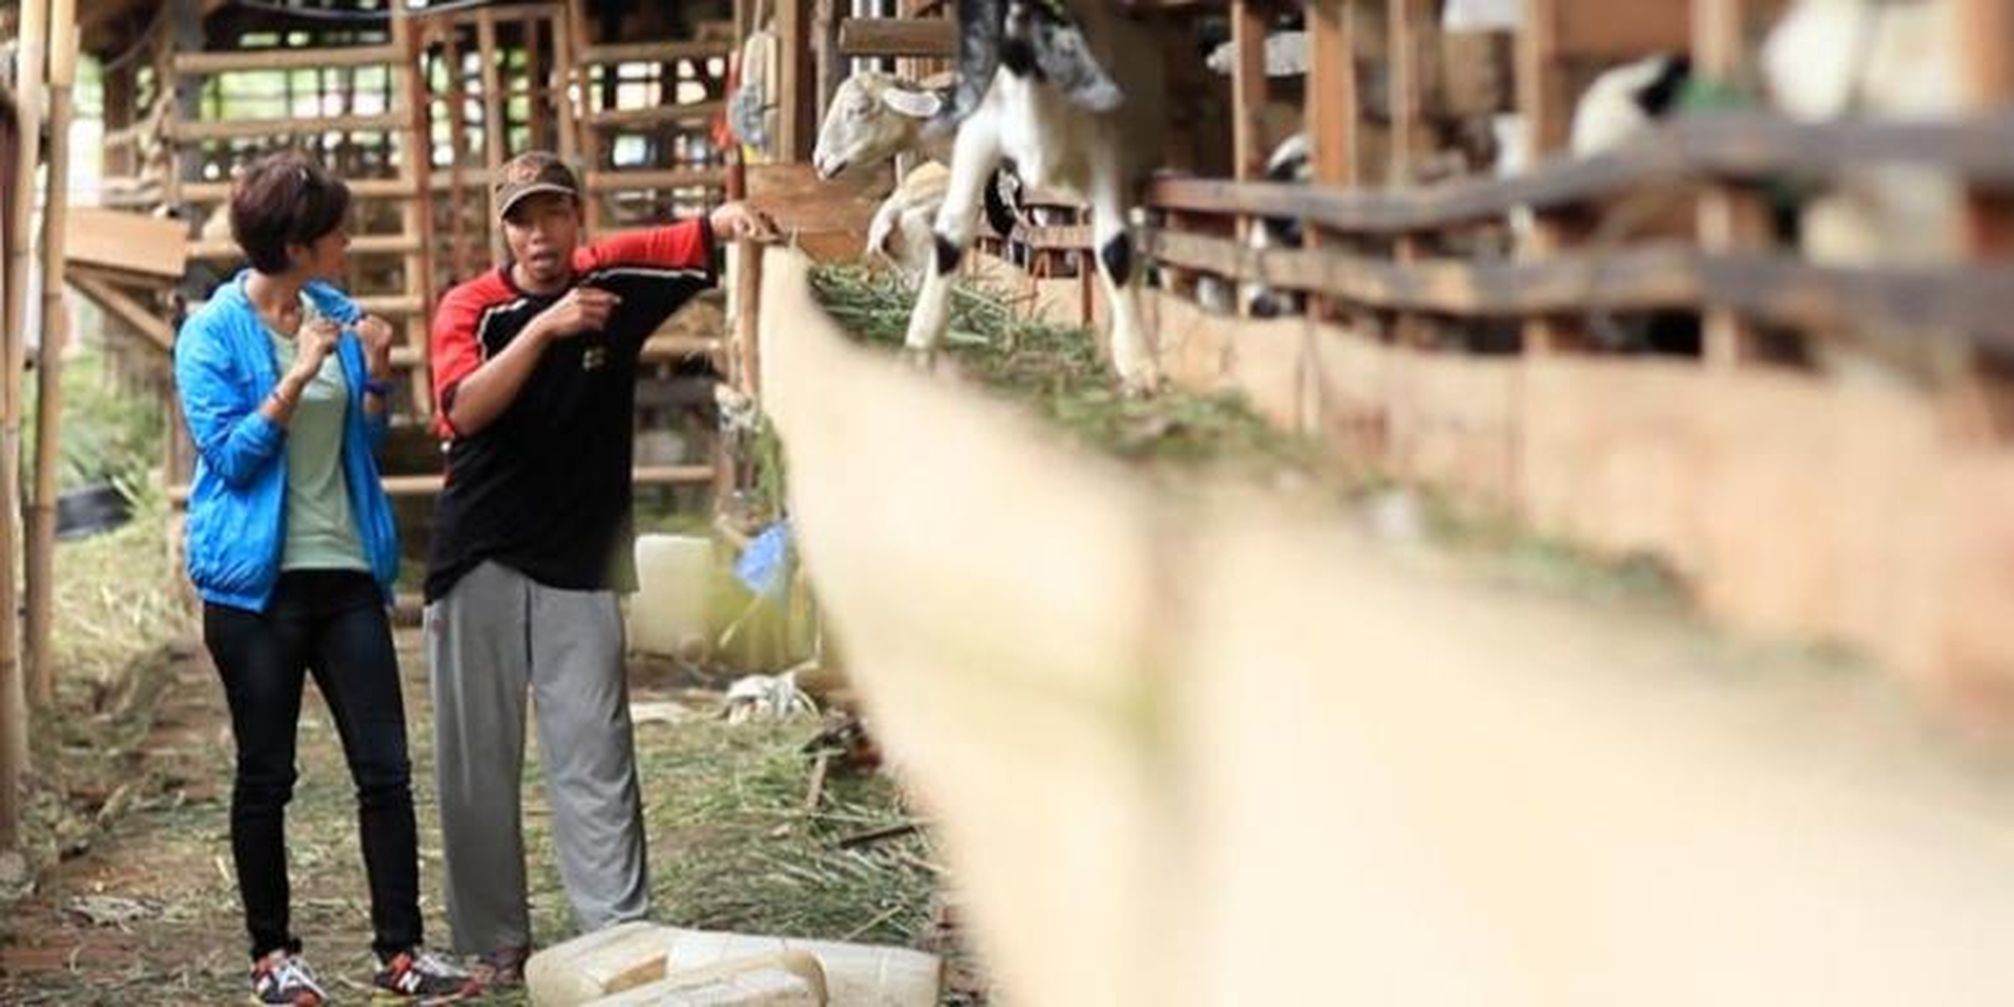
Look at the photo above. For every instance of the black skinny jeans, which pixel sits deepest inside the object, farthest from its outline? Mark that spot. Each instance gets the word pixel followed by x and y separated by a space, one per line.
pixel 331 623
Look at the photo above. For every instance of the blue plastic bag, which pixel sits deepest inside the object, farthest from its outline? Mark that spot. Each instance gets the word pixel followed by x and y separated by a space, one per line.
pixel 761 567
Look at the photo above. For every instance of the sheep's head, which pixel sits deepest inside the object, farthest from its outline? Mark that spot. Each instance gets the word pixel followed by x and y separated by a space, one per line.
pixel 872 118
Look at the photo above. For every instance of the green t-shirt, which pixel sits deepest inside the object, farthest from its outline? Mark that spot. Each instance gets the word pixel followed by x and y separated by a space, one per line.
pixel 320 534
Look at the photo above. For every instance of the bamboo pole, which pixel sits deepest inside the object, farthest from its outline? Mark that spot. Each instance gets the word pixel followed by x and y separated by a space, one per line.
pixel 40 580
pixel 33 35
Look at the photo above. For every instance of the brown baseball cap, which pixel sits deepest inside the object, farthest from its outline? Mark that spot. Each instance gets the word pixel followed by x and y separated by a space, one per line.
pixel 531 173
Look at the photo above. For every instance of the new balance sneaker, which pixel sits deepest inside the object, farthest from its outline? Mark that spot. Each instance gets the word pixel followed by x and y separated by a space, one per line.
pixel 422 977
pixel 282 978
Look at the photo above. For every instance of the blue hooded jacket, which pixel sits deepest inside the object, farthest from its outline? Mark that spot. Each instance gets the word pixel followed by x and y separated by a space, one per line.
pixel 224 369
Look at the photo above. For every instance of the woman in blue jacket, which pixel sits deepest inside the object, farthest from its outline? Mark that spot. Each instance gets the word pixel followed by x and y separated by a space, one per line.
pixel 292 547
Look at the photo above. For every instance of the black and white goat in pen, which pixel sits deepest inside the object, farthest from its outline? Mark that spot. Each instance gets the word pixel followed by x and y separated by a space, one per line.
pixel 1070 94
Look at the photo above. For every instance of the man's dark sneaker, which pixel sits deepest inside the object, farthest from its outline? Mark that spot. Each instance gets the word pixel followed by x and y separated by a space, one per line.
pixel 422 977
pixel 501 969
pixel 282 978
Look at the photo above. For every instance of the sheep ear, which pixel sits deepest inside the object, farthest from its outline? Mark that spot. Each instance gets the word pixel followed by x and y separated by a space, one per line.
pixel 914 104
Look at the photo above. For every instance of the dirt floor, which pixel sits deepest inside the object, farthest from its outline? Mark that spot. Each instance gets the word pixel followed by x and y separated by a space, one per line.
pixel 148 913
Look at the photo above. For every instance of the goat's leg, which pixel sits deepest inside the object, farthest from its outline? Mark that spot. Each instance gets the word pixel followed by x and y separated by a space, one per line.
pixel 973 158
pixel 1133 350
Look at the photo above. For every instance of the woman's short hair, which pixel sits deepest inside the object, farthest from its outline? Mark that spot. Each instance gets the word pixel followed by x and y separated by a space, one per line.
pixel 282 199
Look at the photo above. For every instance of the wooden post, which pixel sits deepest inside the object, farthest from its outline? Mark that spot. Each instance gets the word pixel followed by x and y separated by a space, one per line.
pixel 1989 76
pixel 1983 407
pixel 458 125
pixel 33 34
pixel 185 36
pixel 1730 219
pixel 49 358
pixel 537 81
pixel 416 214
pixel 1407 23
pixel 494 135
pixel 1248 102
pixel 831 67
pixel 562 95
pixel 120 88
pixel 1543 101
pixel 796 94
pixel 1331 110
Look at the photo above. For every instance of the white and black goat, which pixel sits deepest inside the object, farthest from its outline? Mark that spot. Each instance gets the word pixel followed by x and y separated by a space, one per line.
pixel 1071 95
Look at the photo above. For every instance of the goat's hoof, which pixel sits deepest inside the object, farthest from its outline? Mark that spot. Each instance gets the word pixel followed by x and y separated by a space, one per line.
pixel 920 359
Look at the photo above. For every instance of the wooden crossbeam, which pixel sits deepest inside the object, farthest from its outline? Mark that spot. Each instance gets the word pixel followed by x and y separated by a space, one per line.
pixel 224 249
pixel 671 178
pixel 639 118
pixel 1782 289
pixel 360 188
pixel 391 305
pixel 654 52
pixel 1737 145
pixel 122 306
pixel 930 38
pixel 201 63
pixel 229 129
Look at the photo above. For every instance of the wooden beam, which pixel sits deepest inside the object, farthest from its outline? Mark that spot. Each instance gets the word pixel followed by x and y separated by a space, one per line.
pixel 1780 289
pixel 1730 219
pixel 1595 31
pixel 494 133
pixel 563 64
pixel 830 66
pixel 653 52
pixel 653 178
pixel 1739 146
pixel 226 250
pixel 416 216
pixel 458 128
pixel 360 188
pixel 1248 89
pixel 128 242
pixel 1545 104
pixel 121 305
pixel 232 129
pixel 391 305
pixel 32 41
pixel 655 115
pixel 931 38
pixel 40 579
pixel 204 63
pixel 797 108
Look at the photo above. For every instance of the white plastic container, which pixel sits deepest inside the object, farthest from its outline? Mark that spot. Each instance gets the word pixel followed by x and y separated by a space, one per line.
pixel 668 615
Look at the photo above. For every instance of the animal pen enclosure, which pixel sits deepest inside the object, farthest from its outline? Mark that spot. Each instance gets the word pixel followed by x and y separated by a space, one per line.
pixel 1104 726
pixel 1174 744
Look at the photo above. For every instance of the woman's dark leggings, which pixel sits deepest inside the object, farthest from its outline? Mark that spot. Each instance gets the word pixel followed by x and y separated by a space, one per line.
pixel 331 623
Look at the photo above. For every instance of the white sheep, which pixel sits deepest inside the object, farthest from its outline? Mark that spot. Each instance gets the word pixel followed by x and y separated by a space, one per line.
pixel 1076 101
pixel 875 116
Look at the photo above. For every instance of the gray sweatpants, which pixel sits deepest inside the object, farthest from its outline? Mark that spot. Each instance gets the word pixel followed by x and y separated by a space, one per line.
pixel 495 633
